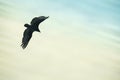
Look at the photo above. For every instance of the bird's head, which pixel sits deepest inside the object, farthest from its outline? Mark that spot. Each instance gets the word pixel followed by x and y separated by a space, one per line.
pixel 27 25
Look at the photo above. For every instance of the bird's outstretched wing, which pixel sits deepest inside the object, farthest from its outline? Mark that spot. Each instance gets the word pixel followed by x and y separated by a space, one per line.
pixel 37 20
pixel 26 38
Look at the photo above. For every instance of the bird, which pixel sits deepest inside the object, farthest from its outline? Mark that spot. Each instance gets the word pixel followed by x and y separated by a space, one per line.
pixel 30 28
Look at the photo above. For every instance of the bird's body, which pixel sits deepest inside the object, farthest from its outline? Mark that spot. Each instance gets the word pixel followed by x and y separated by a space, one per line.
pixel 30 29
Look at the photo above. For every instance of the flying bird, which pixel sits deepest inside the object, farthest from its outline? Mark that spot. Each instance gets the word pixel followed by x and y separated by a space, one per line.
pixel 30 29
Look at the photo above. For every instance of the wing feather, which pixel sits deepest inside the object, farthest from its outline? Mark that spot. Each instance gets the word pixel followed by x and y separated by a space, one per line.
pixel 26 38
pixel 37 20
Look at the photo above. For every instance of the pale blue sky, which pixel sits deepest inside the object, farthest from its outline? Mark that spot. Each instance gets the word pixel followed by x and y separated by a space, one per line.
pixel 97 20
pixel 80 40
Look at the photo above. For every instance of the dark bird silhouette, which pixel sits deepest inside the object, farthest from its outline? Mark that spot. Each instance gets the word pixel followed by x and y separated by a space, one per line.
pixel 30 29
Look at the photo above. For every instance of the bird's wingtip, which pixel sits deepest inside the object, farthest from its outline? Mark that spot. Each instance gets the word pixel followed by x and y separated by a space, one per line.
pixel 23 46
pixel 47 17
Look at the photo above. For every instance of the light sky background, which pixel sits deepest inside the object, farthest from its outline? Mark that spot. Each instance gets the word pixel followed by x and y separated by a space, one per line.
pixel 79 41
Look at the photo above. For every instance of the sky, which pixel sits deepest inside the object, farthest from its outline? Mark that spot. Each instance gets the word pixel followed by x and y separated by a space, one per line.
pixel 79 41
